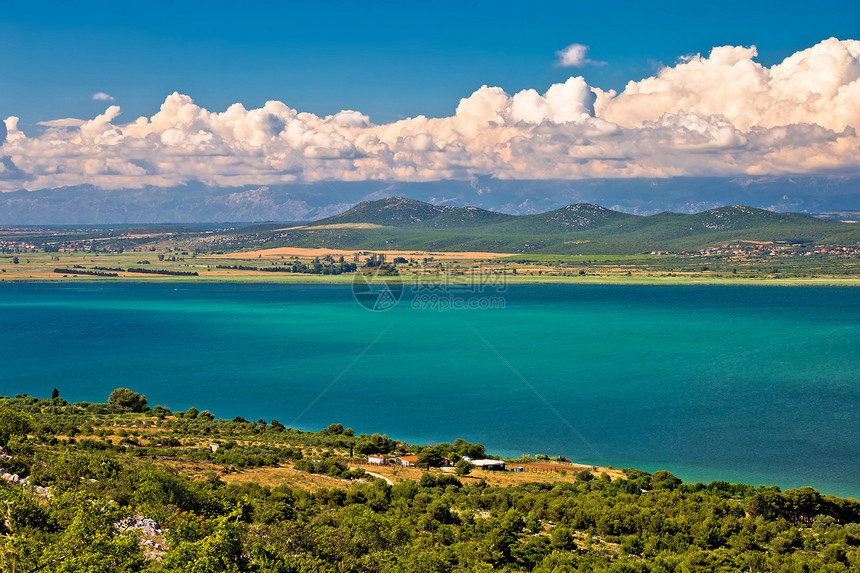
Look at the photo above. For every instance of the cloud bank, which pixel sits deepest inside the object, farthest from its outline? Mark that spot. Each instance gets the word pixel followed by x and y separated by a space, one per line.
pixel 722 114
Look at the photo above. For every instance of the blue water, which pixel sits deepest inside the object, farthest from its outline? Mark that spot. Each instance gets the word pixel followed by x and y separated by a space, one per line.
pixel 753 384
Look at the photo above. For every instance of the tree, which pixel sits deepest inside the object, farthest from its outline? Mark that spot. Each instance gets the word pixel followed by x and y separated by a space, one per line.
pixel 14 260
pixel 90 543
pixel 192 412
pixel 465 448
pixel 464 468
pixel 664 480
pixel 335 429
pixel 429 458
pixel 13 423
pixel 55 394
pixel 375 444
pixel 125 399
pixel 201 545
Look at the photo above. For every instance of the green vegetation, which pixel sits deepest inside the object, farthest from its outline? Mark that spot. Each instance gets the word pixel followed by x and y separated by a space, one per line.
pixel 578 243
pixel 125 399
pixel 325 266
pixel 396 223
pixel 399 223
pixel 96 474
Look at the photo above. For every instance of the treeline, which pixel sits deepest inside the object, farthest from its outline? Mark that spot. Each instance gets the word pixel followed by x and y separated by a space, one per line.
pixel 164 272
pixel 82 271
pixel 101 271
pixel 109 269
pixel 314 268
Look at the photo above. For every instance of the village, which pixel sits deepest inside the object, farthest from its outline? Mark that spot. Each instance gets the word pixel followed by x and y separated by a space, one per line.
pixel 776 248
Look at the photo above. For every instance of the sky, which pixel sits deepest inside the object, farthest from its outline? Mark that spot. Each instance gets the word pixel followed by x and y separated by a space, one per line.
pixel 603 86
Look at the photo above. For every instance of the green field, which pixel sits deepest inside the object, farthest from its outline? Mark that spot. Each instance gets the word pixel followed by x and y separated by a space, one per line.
pixel 608 269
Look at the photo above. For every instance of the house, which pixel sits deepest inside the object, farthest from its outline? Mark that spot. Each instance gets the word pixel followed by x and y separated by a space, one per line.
pixel 408 461
pixel 377 460
pixel 491 465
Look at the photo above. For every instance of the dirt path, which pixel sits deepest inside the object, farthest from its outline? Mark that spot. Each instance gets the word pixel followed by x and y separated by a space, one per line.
pixel 379 476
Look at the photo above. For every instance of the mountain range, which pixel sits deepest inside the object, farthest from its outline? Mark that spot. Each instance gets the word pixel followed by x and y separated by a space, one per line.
pixel 582 228
pixel 199 203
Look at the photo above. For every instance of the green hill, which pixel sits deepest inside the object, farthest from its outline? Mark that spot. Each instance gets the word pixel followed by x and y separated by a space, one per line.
pixel 400 223
pixel 572 218
pixel 391 211
pixel 458 218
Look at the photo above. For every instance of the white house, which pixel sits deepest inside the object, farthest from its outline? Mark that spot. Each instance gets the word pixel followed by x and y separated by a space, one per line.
pixel 489 464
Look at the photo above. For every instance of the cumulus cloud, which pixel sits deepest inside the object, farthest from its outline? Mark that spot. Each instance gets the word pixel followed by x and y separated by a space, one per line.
pixel 719 114
pixel 574 56
pixel 102 96
pixel 816 85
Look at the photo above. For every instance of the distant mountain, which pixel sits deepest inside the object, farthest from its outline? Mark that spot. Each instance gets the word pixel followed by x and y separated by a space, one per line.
pixel 577 217
pixel 400 223
pixel 391 211
pixel 465 218
pixel 198 203
pixel 403 212
pixel 735 217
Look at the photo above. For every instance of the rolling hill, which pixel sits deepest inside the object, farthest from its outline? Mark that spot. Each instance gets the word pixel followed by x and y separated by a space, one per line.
pixel 583 228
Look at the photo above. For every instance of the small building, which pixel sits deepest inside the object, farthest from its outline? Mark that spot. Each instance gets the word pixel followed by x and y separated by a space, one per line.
pixel 408 461
pixel 490 465
pixel 377 460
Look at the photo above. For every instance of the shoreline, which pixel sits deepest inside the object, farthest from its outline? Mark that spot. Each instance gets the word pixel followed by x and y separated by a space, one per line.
pixel 509 280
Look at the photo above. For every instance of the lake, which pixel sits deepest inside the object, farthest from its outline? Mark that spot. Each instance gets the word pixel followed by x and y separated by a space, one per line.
pixel 753 384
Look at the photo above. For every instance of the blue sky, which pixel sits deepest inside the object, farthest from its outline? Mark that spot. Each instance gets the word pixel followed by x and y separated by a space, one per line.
pixel 388 60
pixel 127 94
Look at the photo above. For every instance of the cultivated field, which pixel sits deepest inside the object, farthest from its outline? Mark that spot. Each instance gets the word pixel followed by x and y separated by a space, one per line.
pixel 421 266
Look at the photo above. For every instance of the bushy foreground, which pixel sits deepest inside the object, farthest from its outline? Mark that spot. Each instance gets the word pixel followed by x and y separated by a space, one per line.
pixel 96 488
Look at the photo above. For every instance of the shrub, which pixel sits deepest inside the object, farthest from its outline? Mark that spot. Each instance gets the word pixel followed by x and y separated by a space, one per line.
pixel 125 399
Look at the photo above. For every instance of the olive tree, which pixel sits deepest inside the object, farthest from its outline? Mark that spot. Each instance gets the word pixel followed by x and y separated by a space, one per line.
pixel 125 399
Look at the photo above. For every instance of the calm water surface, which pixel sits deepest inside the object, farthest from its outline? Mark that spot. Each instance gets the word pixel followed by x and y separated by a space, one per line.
pixel 751 384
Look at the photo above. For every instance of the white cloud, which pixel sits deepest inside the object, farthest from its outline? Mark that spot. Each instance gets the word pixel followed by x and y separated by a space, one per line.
pixel 102 96
pixel 574 56
pixel 819 85
pixel 721 114
pixel 64 122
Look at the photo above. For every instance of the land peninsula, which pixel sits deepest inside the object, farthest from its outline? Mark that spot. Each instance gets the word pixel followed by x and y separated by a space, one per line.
pixel 120 486
pixel 414 241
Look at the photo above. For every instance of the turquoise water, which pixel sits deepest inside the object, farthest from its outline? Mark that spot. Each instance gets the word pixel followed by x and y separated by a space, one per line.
pixel 742 383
